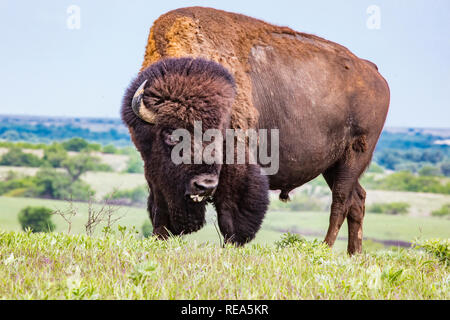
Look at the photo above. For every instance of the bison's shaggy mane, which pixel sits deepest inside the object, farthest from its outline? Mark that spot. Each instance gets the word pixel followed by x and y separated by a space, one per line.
pixel 183 90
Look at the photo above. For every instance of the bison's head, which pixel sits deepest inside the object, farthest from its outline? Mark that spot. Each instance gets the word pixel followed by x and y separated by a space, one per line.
pixel 177 94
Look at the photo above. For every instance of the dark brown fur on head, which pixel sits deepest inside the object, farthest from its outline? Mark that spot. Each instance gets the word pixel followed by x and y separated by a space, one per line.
pixel 180 91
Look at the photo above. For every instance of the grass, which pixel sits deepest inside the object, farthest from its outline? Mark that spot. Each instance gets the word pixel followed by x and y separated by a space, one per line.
pixel 104 183
pixel 379 226
pixel 309 224
pixel 123 266
pixel 10 208
pixel 421 204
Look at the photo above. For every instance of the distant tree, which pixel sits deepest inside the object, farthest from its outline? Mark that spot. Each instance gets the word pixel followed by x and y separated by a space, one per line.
pixel 136 196
pixel 15 185
pixel 16 157
pixel 55 154
pixel 443 211
pixel 78 165
pixel 135 164
pixel 93 147
pixel 430 171
pixel 375 168
pixel 433 156
pixel 10 135
pixel 407 181
pixel 38 219
pixel 407 166
pixel 412 155
pixel 128 151
pixel 389 208
pixel 388 159
pixel 109 149
pixel 445 169
pixel 75 144
pixel 98 166
pixel 49 183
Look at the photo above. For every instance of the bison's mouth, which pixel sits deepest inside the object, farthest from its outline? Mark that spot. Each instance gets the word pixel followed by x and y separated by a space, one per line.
pixel 198 198
pixel 202 187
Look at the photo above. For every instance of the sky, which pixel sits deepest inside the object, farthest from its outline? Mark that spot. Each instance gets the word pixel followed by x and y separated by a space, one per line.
pixel 54 64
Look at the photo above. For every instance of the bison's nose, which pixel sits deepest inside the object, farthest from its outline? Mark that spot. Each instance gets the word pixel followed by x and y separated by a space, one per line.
pixel 203 185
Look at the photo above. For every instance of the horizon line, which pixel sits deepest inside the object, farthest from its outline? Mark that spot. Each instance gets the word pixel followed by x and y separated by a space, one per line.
pixel 3 115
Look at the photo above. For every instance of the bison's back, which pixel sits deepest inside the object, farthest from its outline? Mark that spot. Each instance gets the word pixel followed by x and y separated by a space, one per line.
pixel 230 39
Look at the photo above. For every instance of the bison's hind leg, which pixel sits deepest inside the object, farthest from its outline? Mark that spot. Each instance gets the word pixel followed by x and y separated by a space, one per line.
pixel 355 219
pixel 348 197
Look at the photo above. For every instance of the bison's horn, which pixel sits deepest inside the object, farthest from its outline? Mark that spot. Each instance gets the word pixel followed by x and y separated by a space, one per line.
pixel 139 108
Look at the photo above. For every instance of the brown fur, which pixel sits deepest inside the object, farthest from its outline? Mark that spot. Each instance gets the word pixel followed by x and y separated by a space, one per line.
pixel 199 96
pixel 328 104
pixel 179 92
pixel 226 38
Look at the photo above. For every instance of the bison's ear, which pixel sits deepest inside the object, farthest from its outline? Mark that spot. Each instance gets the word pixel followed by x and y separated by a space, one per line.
pixel 241 201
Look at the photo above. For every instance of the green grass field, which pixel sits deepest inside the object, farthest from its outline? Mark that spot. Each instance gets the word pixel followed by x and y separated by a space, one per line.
pixel 10 208
pixel 104 183
pixel 68 264
pixel 421 204
pixel 309 224
pixel 123 266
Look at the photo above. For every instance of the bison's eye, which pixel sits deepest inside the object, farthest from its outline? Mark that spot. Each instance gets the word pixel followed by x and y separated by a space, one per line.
pixel 169 139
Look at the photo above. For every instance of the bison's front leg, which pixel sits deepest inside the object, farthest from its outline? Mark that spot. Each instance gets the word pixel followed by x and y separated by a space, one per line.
pixel 241 201
pixel 158 216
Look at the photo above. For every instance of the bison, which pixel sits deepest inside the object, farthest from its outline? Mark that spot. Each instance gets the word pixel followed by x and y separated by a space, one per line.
pixel 230 71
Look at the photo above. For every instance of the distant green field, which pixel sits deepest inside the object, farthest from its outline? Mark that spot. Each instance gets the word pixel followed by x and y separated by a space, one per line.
pixel 421 204
pixel 106 182
pixel 101 182
pixel 377 227
pixel 10 208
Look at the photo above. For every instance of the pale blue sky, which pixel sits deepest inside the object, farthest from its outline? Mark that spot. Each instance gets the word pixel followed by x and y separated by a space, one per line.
pixel 48 69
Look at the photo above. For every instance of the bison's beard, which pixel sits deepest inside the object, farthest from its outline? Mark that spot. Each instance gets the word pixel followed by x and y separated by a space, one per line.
pixel 186 216
pixel 181 216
